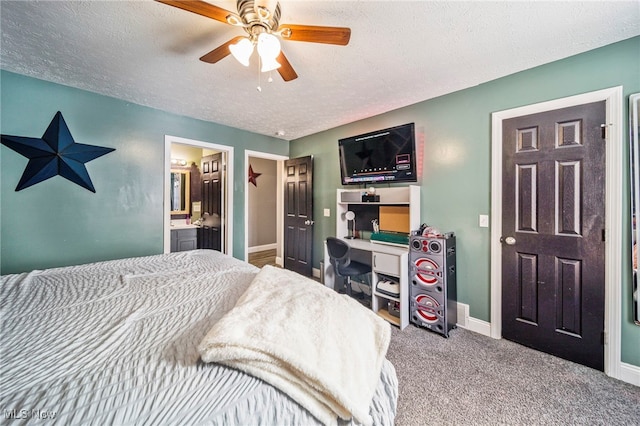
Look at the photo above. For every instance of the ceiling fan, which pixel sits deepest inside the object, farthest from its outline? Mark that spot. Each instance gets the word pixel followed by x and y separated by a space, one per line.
pixel 261 21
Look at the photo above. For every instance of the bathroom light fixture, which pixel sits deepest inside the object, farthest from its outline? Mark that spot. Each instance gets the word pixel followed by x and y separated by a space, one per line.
pixel 178 162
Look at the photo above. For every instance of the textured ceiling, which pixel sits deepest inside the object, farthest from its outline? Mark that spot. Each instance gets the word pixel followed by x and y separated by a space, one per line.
pixel 400 53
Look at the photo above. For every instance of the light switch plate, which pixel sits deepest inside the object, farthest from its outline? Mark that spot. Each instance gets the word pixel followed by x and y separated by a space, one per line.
pixel 483 221
pixel 327 212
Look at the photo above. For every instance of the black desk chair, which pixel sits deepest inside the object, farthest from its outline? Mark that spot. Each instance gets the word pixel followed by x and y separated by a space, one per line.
pixel 339 256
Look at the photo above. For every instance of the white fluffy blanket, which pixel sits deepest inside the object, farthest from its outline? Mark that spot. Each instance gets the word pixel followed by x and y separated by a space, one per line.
pixel 323 349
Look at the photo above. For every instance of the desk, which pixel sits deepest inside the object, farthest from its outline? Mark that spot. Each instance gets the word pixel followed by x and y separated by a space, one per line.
pixel 387 262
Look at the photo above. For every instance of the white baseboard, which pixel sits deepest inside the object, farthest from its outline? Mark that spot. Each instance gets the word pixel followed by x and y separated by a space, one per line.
pixel 316 273
pixel 629 373
pixel 470 323
pixel 279 262
pixel 479 326
pixel 262 248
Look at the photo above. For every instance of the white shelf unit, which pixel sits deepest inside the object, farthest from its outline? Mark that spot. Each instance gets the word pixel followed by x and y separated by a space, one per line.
pixel 399 196
pixel 388 262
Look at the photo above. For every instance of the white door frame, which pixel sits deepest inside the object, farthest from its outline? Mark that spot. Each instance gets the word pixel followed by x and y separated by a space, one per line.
pixel 227 211
pixel 279 201
pixel 613 213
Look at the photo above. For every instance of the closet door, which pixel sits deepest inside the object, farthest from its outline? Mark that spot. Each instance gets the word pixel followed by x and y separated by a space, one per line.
pixel 298 220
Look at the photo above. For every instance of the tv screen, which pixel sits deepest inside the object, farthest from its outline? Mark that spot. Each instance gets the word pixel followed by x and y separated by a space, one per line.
pixel 383 156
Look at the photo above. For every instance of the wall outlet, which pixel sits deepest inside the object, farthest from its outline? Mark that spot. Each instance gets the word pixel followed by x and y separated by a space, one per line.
pixel 483 221
pixel 327 212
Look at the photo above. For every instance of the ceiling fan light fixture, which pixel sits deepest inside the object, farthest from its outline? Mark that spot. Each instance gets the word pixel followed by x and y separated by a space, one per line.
pixel 269 64
pixel 268 46
pixel 260 19
pixel 242 51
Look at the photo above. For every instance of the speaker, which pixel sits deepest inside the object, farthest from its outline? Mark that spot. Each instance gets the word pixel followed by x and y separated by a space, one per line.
pixel 432 282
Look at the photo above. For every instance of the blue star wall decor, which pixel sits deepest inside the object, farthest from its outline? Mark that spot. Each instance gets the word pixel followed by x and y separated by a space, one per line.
pixel 56 153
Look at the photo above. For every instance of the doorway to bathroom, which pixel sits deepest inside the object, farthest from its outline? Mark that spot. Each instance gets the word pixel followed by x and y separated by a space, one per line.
pixel 208 204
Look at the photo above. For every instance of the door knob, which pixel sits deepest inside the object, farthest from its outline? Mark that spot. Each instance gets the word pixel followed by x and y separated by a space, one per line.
pixel 309 222
pixel 508 240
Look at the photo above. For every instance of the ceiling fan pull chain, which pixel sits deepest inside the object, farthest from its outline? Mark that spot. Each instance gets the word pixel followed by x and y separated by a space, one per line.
pixel 259 88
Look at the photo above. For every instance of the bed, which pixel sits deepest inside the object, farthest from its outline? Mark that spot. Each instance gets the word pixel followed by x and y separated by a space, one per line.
pixel 119 342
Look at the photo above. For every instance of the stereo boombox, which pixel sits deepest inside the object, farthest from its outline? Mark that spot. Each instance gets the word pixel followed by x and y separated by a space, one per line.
pixel 432 282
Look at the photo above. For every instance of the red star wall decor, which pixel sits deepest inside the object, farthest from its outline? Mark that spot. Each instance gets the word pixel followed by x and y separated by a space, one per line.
pixel 253 176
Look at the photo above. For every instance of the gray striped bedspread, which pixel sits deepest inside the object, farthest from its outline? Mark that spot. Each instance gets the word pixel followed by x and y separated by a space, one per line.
pixel 116 343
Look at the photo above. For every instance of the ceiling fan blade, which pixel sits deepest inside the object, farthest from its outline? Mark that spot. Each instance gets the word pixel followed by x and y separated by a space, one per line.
pixel 201 8
pixel 286 71
pixel 220 52
pixel 315 34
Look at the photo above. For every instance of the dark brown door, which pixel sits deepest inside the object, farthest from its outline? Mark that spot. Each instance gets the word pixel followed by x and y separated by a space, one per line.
pixel 210 234
pixel 298 220
pixel 553 232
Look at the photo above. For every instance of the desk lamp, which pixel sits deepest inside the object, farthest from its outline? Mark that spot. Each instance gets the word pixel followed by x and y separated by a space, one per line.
pixel 351 216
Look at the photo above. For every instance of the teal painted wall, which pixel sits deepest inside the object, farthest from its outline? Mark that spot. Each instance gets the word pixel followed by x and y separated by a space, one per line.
pixel 456 173
pixel 57 222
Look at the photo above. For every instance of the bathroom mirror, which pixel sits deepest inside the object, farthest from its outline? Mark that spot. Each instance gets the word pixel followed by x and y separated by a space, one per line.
pixel 180 190
pixel 634 136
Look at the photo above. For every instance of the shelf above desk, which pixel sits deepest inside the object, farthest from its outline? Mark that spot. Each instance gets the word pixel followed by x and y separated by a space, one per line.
pixel 397 203
pixel 396 195
pixel 398 210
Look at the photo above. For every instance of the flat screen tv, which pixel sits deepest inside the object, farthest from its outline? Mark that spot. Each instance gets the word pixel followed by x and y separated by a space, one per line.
pixel 383 156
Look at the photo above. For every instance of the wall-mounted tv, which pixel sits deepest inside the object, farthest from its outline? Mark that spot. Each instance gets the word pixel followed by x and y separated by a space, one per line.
pixel 383 156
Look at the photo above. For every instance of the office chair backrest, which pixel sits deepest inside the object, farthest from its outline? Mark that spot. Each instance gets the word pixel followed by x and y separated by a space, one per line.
pixel 338 253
